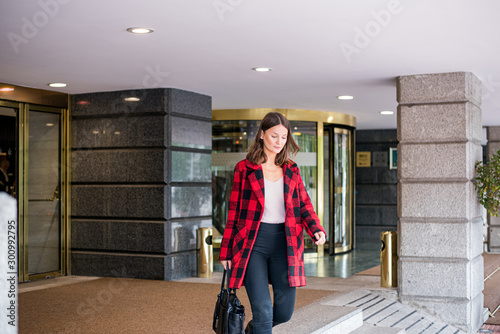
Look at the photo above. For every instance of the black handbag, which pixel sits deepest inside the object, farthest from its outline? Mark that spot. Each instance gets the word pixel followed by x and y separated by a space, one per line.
pixel 229 314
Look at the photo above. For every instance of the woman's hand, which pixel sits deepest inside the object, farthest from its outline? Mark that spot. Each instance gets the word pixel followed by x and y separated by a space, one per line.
pixel 320 238
pixel 226 264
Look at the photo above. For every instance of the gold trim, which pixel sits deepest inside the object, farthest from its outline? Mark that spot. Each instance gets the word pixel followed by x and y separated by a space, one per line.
pixel 327 117
pixel 35 96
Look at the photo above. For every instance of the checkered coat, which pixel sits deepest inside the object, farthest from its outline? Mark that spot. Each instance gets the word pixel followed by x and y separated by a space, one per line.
pixel 245 212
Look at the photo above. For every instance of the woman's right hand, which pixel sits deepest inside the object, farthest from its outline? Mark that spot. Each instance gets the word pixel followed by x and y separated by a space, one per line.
pixel 226 264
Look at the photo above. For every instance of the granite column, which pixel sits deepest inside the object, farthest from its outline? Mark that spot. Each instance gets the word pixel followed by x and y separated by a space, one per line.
pixel 440 265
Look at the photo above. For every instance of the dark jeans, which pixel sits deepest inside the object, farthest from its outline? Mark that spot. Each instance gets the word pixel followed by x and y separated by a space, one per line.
pixel 268 264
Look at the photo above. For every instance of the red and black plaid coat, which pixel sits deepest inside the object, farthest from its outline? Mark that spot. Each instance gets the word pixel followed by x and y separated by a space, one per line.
pixel 245 212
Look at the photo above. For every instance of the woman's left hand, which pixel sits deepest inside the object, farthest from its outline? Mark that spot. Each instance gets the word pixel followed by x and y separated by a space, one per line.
pixel 320 238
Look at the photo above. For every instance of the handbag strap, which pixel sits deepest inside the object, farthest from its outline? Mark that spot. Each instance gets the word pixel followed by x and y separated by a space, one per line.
pixel 228 273
pixel 223 280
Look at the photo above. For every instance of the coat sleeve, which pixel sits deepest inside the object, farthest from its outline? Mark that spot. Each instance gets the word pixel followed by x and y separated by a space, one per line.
pixel 232 218
pixel 309 217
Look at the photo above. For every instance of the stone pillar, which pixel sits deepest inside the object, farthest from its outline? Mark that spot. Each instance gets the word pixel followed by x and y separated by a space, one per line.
pixel 493 135
pixel 440 265
pixel 141 182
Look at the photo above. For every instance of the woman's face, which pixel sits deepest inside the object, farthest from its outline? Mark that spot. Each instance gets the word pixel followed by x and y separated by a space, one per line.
pixel 274 139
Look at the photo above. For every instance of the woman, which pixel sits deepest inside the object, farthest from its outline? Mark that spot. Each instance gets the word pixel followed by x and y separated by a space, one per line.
pixel 263 240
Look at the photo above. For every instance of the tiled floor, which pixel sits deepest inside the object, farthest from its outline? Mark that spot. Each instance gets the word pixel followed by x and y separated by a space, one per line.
pixel 366 255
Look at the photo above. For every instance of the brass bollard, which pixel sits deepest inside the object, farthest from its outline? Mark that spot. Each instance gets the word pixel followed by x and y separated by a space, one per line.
pixel 389 259
pixel 204 252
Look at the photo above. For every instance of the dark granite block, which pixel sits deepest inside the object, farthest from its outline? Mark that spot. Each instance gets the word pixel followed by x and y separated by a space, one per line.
pixel 191 201
pixel 375 147
pixel 376 136
pixel 123 131
pixel 120 201
pixel 191 167
pixel 126 165
pixel 373 194
pixel 115 235
pixel 180 265
pixel 189 103
pixel 379 175
pixel 376 215
pixel 108 103
pixel 372 233
pixel 191 133
pixel 142 266
pixel 181 236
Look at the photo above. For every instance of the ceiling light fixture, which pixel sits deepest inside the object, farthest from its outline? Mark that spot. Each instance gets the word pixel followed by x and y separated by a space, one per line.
pixel 387 112
pixel 261 69
pixel 57 84
pixel 6 89
pixel 345 97
pixel 49 124
pixel 132 99
pixel 140 31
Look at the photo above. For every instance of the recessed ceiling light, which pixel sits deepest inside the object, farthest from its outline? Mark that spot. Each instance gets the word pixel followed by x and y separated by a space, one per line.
pixel 139 30
pixel 132 99
pixel 387 112
pixel 261 69
pixel 6 89
pixel 345 97
pixel 49 124
pixel 57 84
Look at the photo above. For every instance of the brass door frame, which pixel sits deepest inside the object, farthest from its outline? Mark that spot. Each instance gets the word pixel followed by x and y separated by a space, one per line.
pixel 22 186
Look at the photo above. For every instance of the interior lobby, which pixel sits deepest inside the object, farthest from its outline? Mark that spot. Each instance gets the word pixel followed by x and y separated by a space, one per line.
pixel 120 145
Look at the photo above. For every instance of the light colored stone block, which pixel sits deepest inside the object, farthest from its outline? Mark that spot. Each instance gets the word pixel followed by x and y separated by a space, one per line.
pixel 439 278
pixel 494 221
pixel 493 133
pixel 438 161
pixel 462 313
pixel 492 148
pixel 438 88
pixel 494 236
pixel 449 122
pixel 440 238
pixel 454 200
pixel 8 269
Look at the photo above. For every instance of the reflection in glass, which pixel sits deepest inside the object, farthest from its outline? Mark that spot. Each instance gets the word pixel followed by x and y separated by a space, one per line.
pixel 44 250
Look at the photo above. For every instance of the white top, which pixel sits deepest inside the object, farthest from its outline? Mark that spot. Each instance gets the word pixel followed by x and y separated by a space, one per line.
pixel 274 207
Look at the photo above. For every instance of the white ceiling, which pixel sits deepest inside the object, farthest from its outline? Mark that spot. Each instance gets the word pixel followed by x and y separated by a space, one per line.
pixel 210 46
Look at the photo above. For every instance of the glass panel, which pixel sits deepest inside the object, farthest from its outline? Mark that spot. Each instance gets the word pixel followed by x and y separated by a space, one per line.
pixel 43 185
pixel 342 190
pixel 191 201
pixel 191 167
pixel 326 182
pixel 190 133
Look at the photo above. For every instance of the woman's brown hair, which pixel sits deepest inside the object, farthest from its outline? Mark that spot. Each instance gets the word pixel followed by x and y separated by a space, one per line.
pixel 256 152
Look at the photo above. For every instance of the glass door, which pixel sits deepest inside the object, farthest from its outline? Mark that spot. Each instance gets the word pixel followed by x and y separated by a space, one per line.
pixel 38 157
pixel 43 187
pixel 339 195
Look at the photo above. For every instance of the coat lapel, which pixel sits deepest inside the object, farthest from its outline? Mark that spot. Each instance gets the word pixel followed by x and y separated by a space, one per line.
pixel 289 183
pixel 256 178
